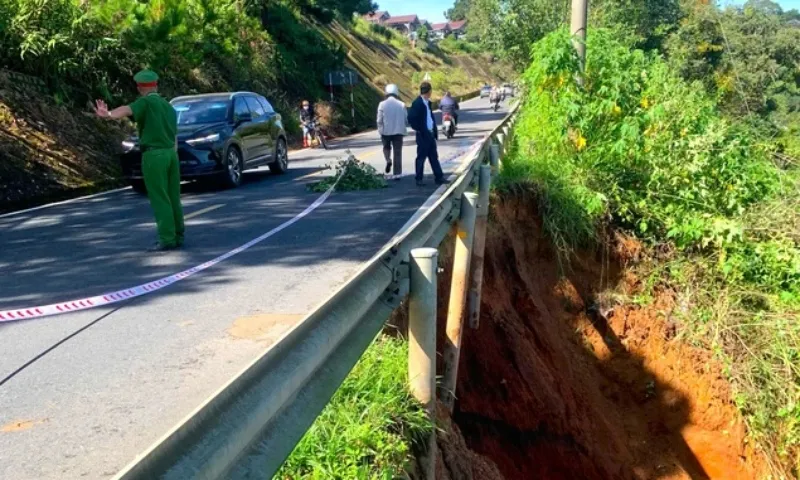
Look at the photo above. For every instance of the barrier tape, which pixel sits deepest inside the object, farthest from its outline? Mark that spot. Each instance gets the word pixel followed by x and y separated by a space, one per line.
pixel 70 306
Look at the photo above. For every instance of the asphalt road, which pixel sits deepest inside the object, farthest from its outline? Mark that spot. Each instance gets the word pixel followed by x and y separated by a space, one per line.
pixel 81 394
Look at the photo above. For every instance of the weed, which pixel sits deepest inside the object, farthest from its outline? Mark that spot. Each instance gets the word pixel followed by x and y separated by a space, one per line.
pixel 368 429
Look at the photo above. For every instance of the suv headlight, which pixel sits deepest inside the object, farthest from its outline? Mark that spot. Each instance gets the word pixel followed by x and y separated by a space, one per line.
pixel 128 145
pixel 200 140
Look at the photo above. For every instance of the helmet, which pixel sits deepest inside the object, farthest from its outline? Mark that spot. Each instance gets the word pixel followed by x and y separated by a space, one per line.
pixel 392 89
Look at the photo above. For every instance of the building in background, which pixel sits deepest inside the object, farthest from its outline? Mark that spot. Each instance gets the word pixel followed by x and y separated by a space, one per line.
pixel 377 17
pixel 405 24
pixel 440 31
pixel 458 29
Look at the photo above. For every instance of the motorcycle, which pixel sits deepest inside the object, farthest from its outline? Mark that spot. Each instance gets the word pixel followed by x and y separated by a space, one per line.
pixel 495 104
pixel 448 125
pixel 317 134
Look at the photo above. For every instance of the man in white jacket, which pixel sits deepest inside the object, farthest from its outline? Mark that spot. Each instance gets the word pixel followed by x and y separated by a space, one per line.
pixel 392 124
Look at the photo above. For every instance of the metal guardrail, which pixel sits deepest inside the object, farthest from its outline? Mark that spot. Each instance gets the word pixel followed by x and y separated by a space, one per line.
pixel 250 426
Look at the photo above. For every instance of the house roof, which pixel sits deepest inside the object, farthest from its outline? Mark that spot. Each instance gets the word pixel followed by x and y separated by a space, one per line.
pixel 402 19
pixel 440 26
pixel 457 25
pixel 375 16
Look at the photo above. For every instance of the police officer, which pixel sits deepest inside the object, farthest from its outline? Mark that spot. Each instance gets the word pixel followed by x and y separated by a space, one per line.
pixel 157 124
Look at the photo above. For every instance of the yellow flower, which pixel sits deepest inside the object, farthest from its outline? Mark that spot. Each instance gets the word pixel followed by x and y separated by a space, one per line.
pixel 616 110
pixel 580 142
pixel 684 132
pixel 644 103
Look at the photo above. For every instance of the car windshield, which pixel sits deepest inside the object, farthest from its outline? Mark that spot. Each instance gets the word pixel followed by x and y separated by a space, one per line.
pixel 193 112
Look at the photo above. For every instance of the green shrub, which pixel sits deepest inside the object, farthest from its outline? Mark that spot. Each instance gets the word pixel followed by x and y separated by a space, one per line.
pixel 453 45
pixel 639 143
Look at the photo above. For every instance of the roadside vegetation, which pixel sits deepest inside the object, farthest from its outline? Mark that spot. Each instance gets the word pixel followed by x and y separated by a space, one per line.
pixel 351 175
pixel 687 139
pixel 368 429
pixel 71 52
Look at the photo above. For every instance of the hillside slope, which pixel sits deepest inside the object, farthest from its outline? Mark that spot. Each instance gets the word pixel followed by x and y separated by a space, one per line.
pixel 51 151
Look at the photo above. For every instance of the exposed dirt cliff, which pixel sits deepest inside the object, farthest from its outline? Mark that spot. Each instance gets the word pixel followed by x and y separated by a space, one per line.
pixel 559 382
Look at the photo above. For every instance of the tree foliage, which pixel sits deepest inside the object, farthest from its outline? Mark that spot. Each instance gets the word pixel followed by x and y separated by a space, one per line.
pixel 510 27
pixel 648 22
pixel 85 49
pixel 459 11
pixel 750 58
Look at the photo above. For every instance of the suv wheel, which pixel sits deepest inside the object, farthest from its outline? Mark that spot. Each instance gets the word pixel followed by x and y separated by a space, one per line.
pixel 281 163
pixel 232 176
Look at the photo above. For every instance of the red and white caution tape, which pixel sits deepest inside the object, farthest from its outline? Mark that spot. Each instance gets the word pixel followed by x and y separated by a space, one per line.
pixel 154 286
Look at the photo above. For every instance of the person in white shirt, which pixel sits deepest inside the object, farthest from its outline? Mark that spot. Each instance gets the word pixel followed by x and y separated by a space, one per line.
pixel 392 124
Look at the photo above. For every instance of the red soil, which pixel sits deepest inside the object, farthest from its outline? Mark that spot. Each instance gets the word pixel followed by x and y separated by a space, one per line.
pixel 554 385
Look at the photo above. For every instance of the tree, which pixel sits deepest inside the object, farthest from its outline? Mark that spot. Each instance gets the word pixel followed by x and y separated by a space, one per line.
pixel 423 33
pixel 747 57
pixel 766 6
pixel 647 21
pixel 510 27
pixel 459 11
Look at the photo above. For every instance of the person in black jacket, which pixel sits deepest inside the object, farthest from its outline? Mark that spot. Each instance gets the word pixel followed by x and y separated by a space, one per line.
pixel 422 120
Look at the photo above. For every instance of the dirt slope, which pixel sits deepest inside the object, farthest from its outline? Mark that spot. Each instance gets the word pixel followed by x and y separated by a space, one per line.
pixel 556 384
pixel 47 151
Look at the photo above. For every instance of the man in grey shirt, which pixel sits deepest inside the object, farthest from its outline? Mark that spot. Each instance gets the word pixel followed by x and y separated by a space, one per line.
pixel 392 123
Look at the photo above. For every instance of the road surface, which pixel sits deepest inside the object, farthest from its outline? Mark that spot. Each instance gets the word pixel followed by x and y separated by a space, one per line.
pixel 81 394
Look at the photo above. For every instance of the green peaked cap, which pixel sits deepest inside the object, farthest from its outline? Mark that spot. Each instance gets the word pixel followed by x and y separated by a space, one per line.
pixel 146 76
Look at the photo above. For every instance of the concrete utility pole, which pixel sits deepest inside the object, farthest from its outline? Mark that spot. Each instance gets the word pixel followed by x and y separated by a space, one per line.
pixel 580 13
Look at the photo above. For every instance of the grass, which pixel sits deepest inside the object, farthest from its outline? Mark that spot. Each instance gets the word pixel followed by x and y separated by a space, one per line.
pixel 368 429
pixel 638 149
pixel 384 56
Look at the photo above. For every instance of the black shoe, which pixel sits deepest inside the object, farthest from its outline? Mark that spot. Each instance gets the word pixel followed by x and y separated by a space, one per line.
pixel 388 168
pixel 420 183
pixel 442 181
pixel 158 247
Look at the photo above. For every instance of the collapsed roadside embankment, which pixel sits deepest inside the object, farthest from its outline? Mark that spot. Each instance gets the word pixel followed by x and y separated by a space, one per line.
pixel 561 381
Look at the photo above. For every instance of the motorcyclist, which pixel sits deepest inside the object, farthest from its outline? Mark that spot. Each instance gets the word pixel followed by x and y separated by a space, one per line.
pixel 307 118
pixel 448 104
pixel 494 96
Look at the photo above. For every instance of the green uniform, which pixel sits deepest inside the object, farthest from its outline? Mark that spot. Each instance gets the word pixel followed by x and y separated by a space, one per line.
pixel 157 123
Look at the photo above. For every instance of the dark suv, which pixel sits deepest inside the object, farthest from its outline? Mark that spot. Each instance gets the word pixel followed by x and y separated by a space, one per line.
pixel 220 135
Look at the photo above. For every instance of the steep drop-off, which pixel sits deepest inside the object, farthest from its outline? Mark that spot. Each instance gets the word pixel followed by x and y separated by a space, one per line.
pixel 560 382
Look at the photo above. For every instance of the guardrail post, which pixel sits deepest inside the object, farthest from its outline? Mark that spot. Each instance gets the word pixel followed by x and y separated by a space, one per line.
pixel 478 246
pixel 422 342
pixel 458 297
pixel 501 140
pixel 494 157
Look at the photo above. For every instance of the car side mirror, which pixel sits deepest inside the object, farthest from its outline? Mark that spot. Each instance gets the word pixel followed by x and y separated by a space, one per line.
pixel 243 117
